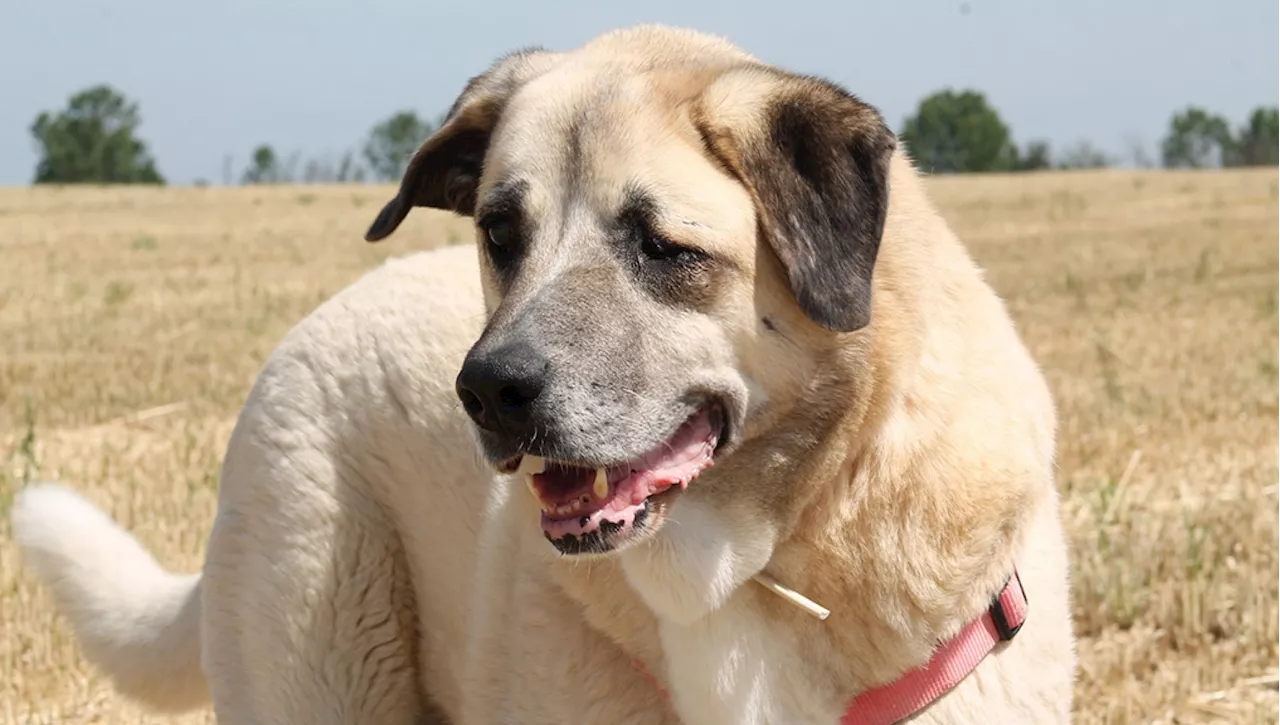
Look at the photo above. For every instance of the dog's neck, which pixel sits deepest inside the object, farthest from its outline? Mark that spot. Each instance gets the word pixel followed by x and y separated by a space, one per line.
pixel 903 549
pixel 907 519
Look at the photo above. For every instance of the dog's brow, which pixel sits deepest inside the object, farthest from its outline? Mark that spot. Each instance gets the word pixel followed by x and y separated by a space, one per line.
pixel 506 196
pixel 637 204
pixel 641 205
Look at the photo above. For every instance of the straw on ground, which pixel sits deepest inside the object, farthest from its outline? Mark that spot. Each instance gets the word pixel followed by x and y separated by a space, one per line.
pixel 134 320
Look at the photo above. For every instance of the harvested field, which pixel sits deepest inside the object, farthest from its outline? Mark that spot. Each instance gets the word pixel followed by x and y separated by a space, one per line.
pixel 134 320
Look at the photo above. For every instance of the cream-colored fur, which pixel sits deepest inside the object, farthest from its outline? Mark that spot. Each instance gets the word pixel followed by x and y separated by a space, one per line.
pixel 367 565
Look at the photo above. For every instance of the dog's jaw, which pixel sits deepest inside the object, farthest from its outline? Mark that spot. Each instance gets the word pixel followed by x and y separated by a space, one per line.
pixel 693 564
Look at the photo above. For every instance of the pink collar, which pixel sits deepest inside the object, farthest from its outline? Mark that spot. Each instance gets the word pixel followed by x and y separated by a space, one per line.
pixel 951 663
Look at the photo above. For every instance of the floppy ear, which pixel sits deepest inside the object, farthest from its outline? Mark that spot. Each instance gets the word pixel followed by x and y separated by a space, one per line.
pixel 816 162
pixel 445 170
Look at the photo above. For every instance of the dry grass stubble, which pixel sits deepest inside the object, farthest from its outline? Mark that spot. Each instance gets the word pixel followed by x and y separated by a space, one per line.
pixel 134 321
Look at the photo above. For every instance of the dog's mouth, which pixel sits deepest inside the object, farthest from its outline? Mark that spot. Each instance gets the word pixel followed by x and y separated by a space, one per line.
pixel 582 506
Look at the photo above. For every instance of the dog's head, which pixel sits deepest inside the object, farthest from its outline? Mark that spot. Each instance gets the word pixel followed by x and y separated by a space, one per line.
pixel 676 240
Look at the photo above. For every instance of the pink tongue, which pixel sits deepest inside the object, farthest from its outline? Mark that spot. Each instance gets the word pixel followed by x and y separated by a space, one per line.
pixel 677 460
pixel 681 458
pixel 571 489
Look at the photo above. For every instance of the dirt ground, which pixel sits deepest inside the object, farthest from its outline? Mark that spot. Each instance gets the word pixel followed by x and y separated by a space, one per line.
pixel 134 320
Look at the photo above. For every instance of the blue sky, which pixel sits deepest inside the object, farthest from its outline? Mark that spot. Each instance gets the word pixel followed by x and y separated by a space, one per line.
pixel 312 76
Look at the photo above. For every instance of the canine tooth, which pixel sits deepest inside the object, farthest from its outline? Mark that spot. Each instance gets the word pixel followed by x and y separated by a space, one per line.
pixel 601 487
pixel 528 481
pixel 532 465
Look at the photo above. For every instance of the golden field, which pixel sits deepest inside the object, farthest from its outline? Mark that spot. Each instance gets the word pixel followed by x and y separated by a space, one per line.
pixel 132 323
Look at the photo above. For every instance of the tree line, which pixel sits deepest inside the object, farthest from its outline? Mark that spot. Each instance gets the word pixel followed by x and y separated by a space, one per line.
pixel 94 139
pixel 383 156
pixel 961 132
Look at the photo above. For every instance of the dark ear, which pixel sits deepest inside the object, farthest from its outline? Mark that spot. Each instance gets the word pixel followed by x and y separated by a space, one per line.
pixel 816 161
pixel 445 170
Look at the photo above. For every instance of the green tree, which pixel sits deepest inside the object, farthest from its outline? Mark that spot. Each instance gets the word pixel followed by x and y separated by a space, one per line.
pixel 1035 157
pixel 959 132
pixel 1197 139
pixel 264 167
pixel 93 140
pixel 392 142
pixel 1256 142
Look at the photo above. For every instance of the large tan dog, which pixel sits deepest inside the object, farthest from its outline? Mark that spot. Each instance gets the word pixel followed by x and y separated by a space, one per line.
pixel 713 329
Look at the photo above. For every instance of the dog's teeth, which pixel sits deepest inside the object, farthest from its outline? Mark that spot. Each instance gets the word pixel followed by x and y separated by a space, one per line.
pixel 601 487
pixel 528 481
pixel 532 465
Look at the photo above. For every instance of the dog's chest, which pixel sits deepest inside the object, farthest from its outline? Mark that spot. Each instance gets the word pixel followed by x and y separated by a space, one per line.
pixel 733 667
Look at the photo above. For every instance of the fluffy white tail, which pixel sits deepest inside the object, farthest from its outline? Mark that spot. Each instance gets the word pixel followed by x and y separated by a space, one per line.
pixel 137 622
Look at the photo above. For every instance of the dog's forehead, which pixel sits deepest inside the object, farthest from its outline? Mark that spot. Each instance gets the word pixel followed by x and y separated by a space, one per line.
pixel 579 130
pixel 552 116
pixel 594 106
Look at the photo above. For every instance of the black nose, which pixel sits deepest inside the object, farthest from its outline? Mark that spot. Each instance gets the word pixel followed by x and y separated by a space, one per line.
pixel 498 386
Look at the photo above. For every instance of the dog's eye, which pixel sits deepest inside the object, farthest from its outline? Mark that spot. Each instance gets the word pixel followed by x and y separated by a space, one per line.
pixel 499 231
pixel 502 238
pixel 659 249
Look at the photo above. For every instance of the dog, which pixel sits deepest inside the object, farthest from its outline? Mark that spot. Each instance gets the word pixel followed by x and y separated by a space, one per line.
pixel 716 422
